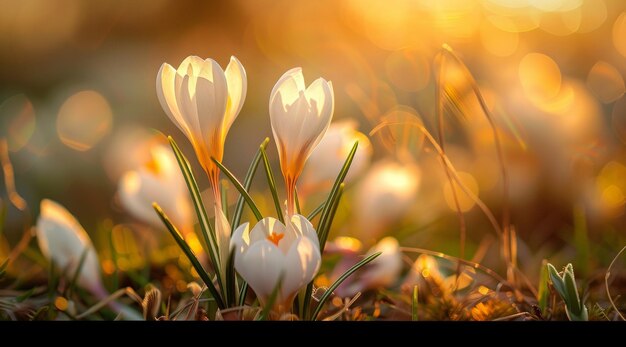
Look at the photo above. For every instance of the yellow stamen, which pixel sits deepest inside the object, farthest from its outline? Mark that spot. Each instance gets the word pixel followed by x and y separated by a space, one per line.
pixel 275 238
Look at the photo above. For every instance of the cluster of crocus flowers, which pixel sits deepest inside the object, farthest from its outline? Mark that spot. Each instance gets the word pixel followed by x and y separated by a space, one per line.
pixel 203 101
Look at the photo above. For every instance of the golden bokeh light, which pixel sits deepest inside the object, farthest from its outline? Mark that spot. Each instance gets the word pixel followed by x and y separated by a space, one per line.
pixel 606 82
pixel 540 77
pixel 498 42
pixel 618 119
pixel 619 34
pixel 17 121
pixel 465 202
pixel 84 119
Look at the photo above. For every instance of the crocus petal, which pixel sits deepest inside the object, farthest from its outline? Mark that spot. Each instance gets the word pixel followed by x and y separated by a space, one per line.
pixel 237 88
pixel 261 266
pixel 305 228
pixel 211 99
pixel 240 239
pixel 302 263
pixel 289 86
pixel 63 241
pixel 265 227
pixel 166 92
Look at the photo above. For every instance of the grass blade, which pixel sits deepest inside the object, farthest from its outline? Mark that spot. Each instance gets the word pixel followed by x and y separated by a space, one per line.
pixel 79 268
pixel 316 211
pixel 414 304
pixel 224 190
pixel 272 185
pixel 208 233
pixel 231 278
pixel 340 280
pixel 243 291
pixel 297 199
pixel 240 188
pixel 325 229
pixel 324 218
pixel 247 182
pixel 189 253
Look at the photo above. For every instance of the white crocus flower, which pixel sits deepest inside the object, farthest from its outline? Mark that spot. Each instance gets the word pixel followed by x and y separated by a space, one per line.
pixel 203 101
pixel 328 158
pixel 159 180
pixel 300 116
pixel 63 241
pixel 271 250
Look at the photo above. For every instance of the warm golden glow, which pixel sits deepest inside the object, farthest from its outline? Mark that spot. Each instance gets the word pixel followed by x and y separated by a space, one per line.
pixel 465 202
pixel 84 119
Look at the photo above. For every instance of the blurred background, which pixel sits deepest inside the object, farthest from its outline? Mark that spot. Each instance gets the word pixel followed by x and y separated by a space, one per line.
pixel 78 109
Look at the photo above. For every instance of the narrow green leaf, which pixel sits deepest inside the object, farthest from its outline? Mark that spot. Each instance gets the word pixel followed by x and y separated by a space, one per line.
pixel 543 293
pixel 298 209
pixel 79 268
pixel 272 299
pixel 316 211
pixel 243 291
pixel 189 253
pixel 231 277
pixel 208 233
pixel 272 185
pixel 247 182
pixel 224 190
pixel 324 218
pixel 22 297
pixel 340 280
pixel 325 230
pixel 240 188
pixel 557 281
pixel 572 292
pixel 414 304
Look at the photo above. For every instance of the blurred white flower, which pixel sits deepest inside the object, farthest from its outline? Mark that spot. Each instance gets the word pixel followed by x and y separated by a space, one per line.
pixel 203 101
pixel 384 195
pixel 63 241
pixel 382 272
pixel 300 116
pixel 272 249
pixel 159 180
pixel 328 157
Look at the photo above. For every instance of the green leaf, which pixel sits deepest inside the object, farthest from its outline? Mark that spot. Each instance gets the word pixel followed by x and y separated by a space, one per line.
pixel 243 291
pixel 224 190
pixel 557 281
pixel 241 189
pixel 414 304
pixel 572 292
pixel 79 268
pixel 247 182
pixel 340 280
pixel 325 217
pixel 24 296
pixel 543 293
pixel 272 185
pixel 325 229
pixel 189 253
pixel 297 199
pixel 272 299
pixel 316 211
pixel 207 230
pixel 231 277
